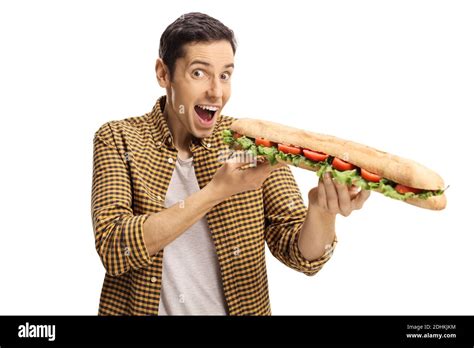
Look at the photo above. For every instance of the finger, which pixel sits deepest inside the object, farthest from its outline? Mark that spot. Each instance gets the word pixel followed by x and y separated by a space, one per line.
pixel 277 165
pixel 272 167
pixel 353 191
pixel 331 194
pixel 345 205
pixel 321 198
pixel 260 167
pixel 360 199
pixel 259 171
pixel 240 159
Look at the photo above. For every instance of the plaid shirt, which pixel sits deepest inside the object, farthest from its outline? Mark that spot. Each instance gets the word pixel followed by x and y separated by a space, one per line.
pixel 134 159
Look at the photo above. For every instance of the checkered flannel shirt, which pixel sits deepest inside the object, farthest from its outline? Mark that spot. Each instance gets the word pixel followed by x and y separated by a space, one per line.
pixel 134 159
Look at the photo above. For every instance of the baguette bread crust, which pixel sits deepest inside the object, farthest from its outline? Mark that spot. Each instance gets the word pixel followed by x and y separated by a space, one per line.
pixel 392 167
pixel 432 203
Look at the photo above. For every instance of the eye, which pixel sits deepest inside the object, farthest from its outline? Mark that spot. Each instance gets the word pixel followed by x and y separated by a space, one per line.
pixel 225 76
pixel 198 73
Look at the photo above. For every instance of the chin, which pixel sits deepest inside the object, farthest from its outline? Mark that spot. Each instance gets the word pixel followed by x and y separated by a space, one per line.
pixel 204 134
pixel 199 132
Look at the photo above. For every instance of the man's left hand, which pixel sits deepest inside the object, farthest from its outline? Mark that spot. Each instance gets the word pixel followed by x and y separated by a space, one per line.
pixel 334 198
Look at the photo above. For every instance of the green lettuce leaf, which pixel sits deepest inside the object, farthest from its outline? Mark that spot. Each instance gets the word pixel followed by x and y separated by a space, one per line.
pixel 345 177
pixel 325 167
pixel 295 159
pixel 385 186
pixel 428 194
pixel 227 133
pixel 252 149
pixel 228 137
pixel 390 191
pixel 268 152
pixel 245 142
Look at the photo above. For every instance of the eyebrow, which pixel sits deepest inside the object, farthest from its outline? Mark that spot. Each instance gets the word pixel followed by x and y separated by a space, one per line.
pixel 196 61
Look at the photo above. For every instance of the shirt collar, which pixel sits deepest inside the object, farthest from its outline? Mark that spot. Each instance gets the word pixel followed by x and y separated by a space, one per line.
pixel 162 134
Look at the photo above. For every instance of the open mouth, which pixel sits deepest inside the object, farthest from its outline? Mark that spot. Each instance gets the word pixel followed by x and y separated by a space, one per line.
pixel 205 112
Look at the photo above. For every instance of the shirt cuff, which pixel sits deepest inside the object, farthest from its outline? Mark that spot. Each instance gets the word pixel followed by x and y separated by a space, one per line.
pixel 312 267
pixel 135 250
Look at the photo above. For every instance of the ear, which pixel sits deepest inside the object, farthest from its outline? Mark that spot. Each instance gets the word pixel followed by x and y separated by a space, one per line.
pixel 162 73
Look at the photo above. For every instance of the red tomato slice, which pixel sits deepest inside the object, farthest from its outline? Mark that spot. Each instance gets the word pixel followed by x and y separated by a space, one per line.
pixel 339 164
pixel 405 189
pixel 237 135
pixel 289 149
pixel 264 142
pixel 370 176
pixel 314 155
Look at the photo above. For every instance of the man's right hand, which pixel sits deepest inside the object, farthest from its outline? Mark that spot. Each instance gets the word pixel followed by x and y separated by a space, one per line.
pixel 163 227
pixel 236 176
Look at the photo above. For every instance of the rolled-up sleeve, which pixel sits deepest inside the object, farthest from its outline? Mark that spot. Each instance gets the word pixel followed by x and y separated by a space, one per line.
pixel 119 237
pixel 285 213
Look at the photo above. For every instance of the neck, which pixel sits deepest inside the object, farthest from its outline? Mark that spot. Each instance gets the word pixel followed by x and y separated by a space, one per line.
pixel 181 137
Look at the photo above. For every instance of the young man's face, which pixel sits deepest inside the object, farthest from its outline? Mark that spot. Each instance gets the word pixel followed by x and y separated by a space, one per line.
pixel 201 86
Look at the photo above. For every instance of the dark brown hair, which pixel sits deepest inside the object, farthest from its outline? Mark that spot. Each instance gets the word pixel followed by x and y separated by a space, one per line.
pixel 191 27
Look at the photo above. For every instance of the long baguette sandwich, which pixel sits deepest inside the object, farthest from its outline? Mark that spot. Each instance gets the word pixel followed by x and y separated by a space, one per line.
pixel 349 162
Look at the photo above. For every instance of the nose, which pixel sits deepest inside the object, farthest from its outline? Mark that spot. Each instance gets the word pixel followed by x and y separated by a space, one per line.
pixel 215 89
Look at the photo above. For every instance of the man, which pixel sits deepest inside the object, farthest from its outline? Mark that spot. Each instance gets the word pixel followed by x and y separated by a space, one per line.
pixel 180 232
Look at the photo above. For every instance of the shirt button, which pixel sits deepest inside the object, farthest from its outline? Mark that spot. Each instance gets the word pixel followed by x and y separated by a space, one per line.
pixel 208 145
pixel 170 160
pixel 159 142
pixel 153 279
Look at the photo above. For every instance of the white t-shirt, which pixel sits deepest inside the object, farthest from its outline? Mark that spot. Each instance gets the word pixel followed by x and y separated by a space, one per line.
pixel 191 281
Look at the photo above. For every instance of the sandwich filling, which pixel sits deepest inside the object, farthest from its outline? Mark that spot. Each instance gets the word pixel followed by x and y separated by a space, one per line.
pixel 341 171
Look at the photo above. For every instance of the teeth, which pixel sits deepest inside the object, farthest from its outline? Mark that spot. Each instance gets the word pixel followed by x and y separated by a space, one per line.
pixel 210 108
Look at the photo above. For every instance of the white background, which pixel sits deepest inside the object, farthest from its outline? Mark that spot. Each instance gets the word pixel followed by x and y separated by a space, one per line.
pixel 393 75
